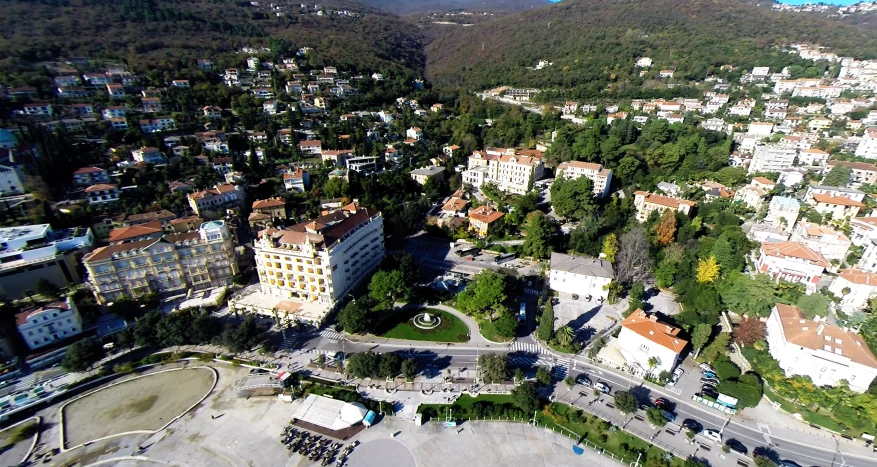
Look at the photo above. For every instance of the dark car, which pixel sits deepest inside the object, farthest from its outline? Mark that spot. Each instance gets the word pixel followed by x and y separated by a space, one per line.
pixel 788 463
pixel 692 425
pixel 736 446
pixel 709 392
pixel 663 403
pixel 708 387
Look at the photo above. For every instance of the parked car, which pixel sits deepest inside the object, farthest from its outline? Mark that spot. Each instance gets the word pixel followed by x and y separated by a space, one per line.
pixel 663 403
pixel 709 374
pixel 713 435
pixel 709 391
pixel 677 373
pixel 583 380
pixel 736 446
pixel 788 463
pixel 706 367
pixel 693 425
pixel 709 381
pixel 669 416
pixel 602 387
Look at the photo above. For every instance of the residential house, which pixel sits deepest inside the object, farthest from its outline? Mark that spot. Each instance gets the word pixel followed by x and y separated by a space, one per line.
pixel 115 90
pixel 151 104
pixel 212 112
pixel 855 288
pixel 837 207
pixel 297 180
pixel 148 156
pixel 812 157
pixel 10 181
pixel 87 176
pixel 580 275
pixel 599 176
pixel 861 173
pixel 310 147
pixel 792 262
pixel 49 324
pixel 102 193
pixel 423 175
pixel 264 212
pixel 831 244
pixel 338 158
pixel 825 353
pixel 646 203
pixel 222 165
pixel 163 217
pixel 483 219
pixel 170 265
pixel 863 229
pixel 648 346
pixel 180 83
pixel 755 194
pixel 114 111
pixel 219 197
pixel 782 213
pixel 145 231
pixel 414 133
pixel 156 125
pixel 40 109
pixel 456 206
pixel 833 191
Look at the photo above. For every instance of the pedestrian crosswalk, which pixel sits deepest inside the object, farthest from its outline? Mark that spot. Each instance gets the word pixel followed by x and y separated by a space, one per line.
pixel 561 368
pixel 675 390
pixel 532 360
pixel 527 347
pixel 330 334
pixel 28 381
pixel 290 342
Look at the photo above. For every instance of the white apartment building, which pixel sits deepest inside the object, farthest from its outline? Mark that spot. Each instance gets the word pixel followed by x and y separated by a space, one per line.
pixel 831 244
pixel 156 125
pixel 833 192
pixel 646 203
pixel 148 156
pixel 581 275
pixel 306 269
pixel 824 352
pixel 49 324
pixel 601 177
pixel 771 158
pixel 102 193
pixel 10 181
pixel 217 198
pixel 32 252
pixel 782 212
pixel 855 288
pixel 510 171
pixel 863 230
pixel 792 262
pixel 867 147
pixel 643 337
pixel 170 265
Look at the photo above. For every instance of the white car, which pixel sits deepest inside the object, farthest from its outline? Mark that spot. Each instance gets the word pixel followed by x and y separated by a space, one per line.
pixel 706 367
pixel 677 373
pixel 713 435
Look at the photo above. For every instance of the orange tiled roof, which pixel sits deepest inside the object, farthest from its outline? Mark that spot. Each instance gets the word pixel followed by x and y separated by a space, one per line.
pixel 660 333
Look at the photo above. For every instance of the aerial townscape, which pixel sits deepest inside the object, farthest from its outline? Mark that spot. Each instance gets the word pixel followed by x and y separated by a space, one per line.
pixel 386 233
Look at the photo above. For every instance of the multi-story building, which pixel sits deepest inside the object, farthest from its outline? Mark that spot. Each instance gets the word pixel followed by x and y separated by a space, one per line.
pixel 782 212
pixel 88 176
pixel 832 191
pixel 296 180
pixel 771 158
pixel 426 174
pixel 102 193
pixel 838 207
pixel 169 265
pixel 867 147
pixel 646 203
pixel 32 252
pixel 855 288
pixel 861 173
pixel 115 90
pixel 601 177
pixel 217 198
pixel 754 194
pixel 822 239
pixel 306 269
pixel 482 219
pixel 148 155
pixel 264 212
pixel 824 352
pixel 163 217
pixel 792 262
pixel 644 340
pixel 581 275
pixel 510 171
pixel 49 324
pixel 156 125
pixel 10 181
pixel 863 229
pixel 310 147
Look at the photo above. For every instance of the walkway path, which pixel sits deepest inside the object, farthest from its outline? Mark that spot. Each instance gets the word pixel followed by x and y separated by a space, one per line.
pixel 475 337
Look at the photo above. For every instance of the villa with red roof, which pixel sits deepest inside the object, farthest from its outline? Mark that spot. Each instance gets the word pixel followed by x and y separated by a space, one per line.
pixel 792 262
pixel 646 203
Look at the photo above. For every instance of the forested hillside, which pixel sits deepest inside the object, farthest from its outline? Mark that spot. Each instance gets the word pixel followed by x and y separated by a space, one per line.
pixel 593 43
pixel 405 7
pixel 175 33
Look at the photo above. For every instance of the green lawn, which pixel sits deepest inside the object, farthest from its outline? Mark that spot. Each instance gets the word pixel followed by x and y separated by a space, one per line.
pixel 488 330
pixel 823 420
pixel 400 325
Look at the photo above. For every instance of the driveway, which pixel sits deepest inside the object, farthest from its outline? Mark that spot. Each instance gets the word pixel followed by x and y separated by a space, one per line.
pixel 587 318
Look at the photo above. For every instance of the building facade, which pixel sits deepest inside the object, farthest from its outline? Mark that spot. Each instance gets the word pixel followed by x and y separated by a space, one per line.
pixel 580 275
pixel 511 171
pixel 33 252
pixel 648 345
pixel 792 262
pixel 49 324
pixel 771 158
pixel 646 203
pixel 601 177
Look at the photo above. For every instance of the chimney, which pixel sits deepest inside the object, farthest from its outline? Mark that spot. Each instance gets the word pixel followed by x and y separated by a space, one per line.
pixel 653 318
pixel 820 329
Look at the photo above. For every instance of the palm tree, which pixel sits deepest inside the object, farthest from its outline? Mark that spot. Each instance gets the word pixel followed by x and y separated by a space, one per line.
pixel 653 362
pixel 565 335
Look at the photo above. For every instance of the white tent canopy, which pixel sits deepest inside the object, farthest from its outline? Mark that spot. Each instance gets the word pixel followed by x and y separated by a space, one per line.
pixel 329 413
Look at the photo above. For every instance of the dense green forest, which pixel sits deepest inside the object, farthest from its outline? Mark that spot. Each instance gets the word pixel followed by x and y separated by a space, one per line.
pixel 406 7
pixel 174 34
pixel 593 43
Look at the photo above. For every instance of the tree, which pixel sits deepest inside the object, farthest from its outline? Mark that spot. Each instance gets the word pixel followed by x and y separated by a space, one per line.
pixel 699 337
pixel 748 295
pixel 813 305
pixel 665 230
pixel 543 376
pixel 46 288
pixel 573 199
pixel 565 335
pixel 763 461
pixel 725 368
pixel 239 338
pixel 610 247
pixel 656 416
pixel 81 355
pixel 355 317
pixel 633 263
pixel 127 308
pixel 145 329
pixel 486 292
pixel 409 369
pixel 363 365
pixel 625 402
pixel 506 325
pixel 387 286
pixel 707 270
pixel 546 323
pixel 390 365
pixel 539 230
pixel 747 389
pixel 717 346
pixel 748 331
pixel 839 175
pixel 526 397
pixel 494 367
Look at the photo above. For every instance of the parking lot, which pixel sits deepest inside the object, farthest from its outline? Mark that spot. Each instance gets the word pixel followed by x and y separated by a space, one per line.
pixel 586 317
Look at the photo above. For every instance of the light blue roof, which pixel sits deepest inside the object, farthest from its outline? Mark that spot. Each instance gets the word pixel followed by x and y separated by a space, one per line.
pixel 787 202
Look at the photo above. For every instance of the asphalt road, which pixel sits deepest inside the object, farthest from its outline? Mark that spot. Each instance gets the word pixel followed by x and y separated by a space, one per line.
pixel 749 433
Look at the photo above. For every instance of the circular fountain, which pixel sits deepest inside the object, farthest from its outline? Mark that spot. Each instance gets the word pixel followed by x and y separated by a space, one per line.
pixel 427 321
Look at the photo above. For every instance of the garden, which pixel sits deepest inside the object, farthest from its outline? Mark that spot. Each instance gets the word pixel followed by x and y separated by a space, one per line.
pixel 440 326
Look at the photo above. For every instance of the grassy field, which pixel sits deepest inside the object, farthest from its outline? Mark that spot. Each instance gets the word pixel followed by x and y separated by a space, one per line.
pixel 401 326
pixel 488 330
pixel 22 432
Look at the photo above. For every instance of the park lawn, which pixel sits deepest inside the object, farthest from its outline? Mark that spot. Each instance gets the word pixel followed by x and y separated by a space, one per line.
pixel 462 407
pixel 451 329
pixel 22 432
pixel 568 349
pixel 488 331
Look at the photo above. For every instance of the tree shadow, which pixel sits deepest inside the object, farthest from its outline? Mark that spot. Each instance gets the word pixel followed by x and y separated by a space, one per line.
pixel 585 317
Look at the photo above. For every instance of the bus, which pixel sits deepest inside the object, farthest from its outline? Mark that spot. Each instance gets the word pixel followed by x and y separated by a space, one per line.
pixel 467 252
pixel 504 258
pixel 522 313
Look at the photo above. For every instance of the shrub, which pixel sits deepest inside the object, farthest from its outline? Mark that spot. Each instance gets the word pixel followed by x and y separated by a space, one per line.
pixel 124 369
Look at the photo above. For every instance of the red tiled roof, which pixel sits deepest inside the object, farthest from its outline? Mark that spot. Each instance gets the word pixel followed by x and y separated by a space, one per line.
pixel 649 327
pixel 100 187
pixel 838 200
pixel 794 250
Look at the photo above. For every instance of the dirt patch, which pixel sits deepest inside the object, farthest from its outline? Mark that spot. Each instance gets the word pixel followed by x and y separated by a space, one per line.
pixel 142 404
